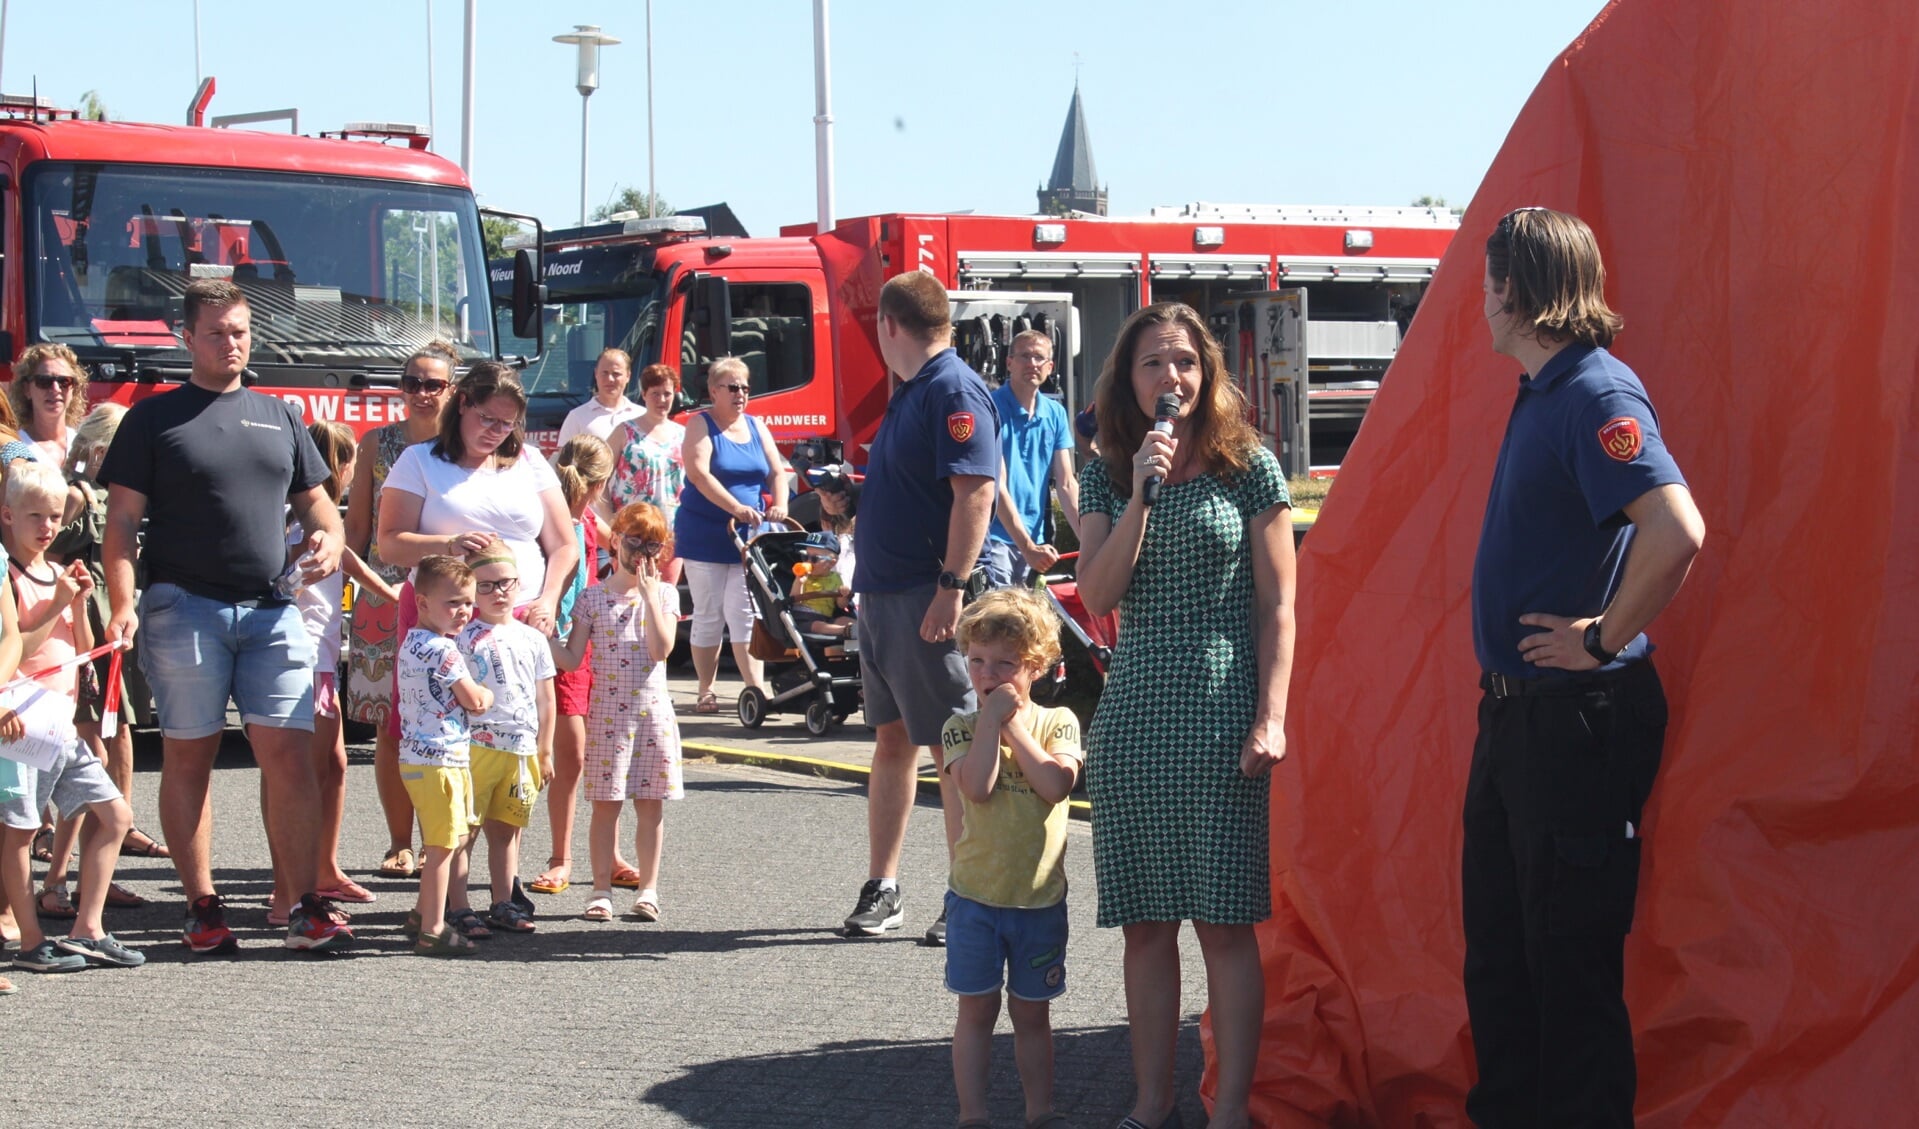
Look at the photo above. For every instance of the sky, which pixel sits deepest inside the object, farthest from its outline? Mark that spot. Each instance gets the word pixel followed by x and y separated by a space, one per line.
pixel 942 107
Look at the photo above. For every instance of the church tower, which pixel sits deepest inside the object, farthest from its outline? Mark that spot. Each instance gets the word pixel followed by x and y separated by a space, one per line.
pixel 1074 186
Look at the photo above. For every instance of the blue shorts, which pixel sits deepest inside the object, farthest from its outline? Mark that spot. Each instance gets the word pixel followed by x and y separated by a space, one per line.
pixel 1005 567
pixel 1028 944
pixel 197 653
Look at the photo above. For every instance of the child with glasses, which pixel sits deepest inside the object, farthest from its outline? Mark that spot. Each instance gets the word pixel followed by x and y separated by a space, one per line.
pixel 632 738
pixel 512 750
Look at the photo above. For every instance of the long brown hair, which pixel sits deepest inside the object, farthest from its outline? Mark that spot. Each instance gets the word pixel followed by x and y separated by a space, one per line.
pixel 1217 423
pixel 481 383
pixel 335 441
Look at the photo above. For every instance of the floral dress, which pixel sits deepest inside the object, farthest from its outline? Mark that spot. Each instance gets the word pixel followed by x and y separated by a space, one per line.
pixel 375 627
pixel 632 738
pixel 649 469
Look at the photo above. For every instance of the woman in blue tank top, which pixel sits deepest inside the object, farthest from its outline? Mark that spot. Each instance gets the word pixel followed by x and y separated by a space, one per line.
pixel 730 462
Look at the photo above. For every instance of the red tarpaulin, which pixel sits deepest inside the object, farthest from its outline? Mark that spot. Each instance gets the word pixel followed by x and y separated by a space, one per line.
pixel 1752 172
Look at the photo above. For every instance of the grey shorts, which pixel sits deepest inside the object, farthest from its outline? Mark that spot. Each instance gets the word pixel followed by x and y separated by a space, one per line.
pixel 903 677
pixel 76 780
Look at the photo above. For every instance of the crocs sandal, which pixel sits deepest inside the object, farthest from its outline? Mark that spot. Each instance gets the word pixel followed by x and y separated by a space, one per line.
pixel 448 942
pixel 54 902
pixel 600 908
pixel 469 925
pixel 626 877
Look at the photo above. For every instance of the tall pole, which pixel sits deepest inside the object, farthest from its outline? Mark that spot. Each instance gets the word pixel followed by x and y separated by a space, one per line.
pixel 652 194
pixel 432 133
pixel 198 74
pixel 587 39
pixel 3 36
pixel 466 92
pixel 823 116
pixel 585 101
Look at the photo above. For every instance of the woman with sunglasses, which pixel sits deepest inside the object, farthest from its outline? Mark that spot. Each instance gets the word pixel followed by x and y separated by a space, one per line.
pixel 729 460
pixel 369 690
pixel 49 398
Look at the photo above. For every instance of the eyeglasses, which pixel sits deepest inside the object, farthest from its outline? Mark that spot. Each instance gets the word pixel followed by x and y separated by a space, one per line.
pixel 641 546
pixel 43 382
pixel 503 587
pixel 414 385
pixel 490 423
pixel 739 389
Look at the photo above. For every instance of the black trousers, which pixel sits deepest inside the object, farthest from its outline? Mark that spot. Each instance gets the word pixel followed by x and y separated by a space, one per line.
pixel 1548 882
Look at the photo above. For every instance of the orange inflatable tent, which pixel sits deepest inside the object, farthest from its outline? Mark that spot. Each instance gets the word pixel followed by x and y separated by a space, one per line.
pixel 1752 172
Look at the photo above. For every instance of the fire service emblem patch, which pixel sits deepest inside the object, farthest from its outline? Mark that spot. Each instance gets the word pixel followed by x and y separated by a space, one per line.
pixel 960 426
pixel 1621 438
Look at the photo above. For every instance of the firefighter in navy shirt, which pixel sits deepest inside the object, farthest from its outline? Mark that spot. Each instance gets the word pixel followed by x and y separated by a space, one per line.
pixel 1589 533
pixel 923 513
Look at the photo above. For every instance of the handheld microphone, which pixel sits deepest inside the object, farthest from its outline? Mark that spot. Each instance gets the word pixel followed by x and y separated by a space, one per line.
pixel 1164 412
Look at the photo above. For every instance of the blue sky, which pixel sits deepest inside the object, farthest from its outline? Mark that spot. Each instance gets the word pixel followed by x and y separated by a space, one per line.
pixel 937 107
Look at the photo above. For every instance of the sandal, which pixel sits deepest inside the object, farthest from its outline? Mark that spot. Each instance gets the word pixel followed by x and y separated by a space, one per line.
pixel 7 987
pixel 555 880
pixel 148 847
pixel 448 942
pixel 646 911
pixel 709 703
pixel 119 897
pixel 469 925
pixel 600 908
pixel 54 902
pixel 348 891
pixel 411 929
pixel 626 877
pixel 43 844
pixel 398 863
pixel 509 918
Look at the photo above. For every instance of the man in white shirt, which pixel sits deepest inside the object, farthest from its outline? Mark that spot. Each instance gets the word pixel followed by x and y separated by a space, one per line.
pixel 609 407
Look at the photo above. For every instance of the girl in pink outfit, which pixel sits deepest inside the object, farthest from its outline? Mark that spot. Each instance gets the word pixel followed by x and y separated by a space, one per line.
pixel 632 738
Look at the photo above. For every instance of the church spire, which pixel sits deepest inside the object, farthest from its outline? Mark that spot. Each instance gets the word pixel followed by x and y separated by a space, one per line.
pixel 1074 186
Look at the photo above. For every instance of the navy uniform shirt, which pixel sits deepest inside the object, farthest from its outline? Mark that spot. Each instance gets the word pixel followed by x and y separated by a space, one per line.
pixel 939 424
pixel 1582 443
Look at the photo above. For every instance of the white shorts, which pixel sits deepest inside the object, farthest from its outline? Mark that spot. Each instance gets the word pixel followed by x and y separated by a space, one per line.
pixel 722 607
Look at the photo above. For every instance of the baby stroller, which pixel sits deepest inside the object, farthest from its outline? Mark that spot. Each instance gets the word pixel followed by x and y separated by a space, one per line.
pixel 815 673
pixel 1097 634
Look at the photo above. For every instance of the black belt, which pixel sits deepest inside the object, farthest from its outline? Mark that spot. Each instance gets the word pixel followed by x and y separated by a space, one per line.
pixel 1505 686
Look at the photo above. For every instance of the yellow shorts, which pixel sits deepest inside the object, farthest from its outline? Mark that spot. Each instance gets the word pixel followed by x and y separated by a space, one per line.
pixel 443 798
pixel 505 785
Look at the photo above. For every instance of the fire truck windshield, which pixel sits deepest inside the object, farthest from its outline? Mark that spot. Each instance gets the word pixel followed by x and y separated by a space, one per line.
pixel 338 271
pixel 598 298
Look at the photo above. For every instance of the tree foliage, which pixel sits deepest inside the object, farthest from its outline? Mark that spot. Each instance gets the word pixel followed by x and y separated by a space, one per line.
pixel 629 199
pixel 92 108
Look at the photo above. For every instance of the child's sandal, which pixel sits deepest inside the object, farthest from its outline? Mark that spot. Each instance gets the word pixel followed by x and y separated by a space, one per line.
pixel 508 917
pixel 469 924
pixel 646 910
pixel 600 908
pixel 448 942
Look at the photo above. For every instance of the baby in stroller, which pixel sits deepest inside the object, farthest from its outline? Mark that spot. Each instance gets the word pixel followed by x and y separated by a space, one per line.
pixel 822 603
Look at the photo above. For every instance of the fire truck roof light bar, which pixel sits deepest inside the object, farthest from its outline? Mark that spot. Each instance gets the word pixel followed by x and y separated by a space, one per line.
pixel 665 225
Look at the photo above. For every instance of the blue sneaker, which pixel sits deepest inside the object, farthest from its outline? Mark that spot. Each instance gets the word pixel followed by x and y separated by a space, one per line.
pixel 44 957
pixel 102 950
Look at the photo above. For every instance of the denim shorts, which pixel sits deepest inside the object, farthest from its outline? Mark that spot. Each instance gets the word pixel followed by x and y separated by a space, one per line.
pixel 77 780
pixel 1029 945
pixel 197 653
pixel 1005 566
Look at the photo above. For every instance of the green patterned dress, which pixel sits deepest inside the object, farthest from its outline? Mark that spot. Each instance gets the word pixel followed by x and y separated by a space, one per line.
pixel 1178 833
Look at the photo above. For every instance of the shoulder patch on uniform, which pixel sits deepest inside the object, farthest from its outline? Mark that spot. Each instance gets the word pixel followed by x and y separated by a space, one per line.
pixel 1621 438
pixel 960 426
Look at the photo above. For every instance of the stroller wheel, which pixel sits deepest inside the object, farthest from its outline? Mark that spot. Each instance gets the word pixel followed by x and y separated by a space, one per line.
pixel 752 708
pixel 819 720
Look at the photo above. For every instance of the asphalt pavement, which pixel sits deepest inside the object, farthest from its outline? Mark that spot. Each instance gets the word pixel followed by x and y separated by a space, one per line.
pixel 741 1007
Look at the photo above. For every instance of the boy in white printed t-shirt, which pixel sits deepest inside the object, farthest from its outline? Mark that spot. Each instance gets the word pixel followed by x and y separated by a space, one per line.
pixel 513 741
pixel 1014 764
pixel 436 694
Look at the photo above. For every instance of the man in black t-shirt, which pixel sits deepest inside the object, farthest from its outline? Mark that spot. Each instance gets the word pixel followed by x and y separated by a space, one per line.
pixel 212 467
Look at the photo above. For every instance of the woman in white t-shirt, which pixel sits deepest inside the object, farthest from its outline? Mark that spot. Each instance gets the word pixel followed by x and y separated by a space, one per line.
pixel 609 407
pixel 453 495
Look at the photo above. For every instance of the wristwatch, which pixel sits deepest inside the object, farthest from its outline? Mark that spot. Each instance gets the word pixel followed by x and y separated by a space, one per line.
pixel 1597 649
pixel 952 581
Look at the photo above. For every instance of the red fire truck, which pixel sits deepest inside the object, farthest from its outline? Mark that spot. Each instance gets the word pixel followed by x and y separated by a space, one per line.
pixel 1311 303
pixel 352 251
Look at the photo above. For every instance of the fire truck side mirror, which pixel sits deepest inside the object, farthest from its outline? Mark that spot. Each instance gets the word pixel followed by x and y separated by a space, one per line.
pixel 713 316
pixel 529 295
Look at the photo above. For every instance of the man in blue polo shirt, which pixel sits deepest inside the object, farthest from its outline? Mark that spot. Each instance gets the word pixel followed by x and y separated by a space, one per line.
pixel 923 513
pixel 1589 534
pixel 1036 443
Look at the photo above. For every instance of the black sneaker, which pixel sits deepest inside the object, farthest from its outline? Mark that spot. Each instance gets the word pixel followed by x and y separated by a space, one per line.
pixel 936 932
pixel 877 911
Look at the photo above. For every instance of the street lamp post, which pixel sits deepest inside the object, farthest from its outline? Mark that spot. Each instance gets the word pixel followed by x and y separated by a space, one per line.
pixel 589 39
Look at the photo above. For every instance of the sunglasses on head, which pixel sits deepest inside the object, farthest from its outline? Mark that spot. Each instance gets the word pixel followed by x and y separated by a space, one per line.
pixel 415 384
pixel 642 546
pixel 44 381
pixel 503 587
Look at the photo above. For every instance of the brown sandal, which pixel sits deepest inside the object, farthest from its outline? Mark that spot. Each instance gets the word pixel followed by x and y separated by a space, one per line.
pixel 709 703
pixel 54 902
pixel 399 863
